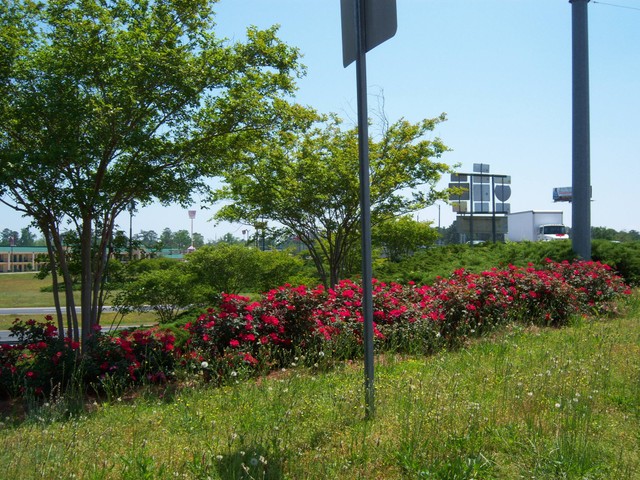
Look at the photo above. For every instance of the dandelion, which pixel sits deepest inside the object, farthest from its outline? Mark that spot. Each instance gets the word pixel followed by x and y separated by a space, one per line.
pixel 253 462
pixel 204 365
pixel 558 405
pixel 234 374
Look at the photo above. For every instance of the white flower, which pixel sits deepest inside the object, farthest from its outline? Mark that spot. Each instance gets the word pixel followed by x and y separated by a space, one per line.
pixel 204 364
pixel 234 374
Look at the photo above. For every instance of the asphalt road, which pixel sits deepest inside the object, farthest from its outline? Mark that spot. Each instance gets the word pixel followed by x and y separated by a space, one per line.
pixel 39 311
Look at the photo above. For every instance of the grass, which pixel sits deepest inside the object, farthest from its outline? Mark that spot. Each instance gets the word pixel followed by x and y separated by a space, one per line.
pixel 25 290
pixel 525 403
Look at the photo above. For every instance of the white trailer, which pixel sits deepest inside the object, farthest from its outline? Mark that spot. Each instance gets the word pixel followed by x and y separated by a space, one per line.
pixel 536 225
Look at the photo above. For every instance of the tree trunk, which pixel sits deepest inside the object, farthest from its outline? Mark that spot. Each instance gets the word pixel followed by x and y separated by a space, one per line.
pixel 86 280
pixel 72 317
pixel 54 280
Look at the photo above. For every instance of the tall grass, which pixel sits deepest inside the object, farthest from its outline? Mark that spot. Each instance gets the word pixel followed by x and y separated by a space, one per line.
pixel 524 403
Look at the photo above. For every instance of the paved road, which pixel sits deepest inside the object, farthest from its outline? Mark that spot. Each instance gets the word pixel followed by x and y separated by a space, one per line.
pixel 39 311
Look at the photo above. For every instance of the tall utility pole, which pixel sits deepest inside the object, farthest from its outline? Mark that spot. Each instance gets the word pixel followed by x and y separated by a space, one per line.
pixel 581 161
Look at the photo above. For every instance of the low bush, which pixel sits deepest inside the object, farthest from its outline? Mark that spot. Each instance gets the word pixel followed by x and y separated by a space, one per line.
pixel 313 326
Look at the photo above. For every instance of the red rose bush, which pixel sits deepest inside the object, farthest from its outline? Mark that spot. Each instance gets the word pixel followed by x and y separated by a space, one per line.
pixel 313 326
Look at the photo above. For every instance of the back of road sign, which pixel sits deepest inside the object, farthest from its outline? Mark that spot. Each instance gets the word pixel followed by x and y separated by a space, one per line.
pixel 381 23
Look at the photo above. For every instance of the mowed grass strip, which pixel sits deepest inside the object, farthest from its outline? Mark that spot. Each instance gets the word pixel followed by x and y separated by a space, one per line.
pixel 24 290
pixel 525 403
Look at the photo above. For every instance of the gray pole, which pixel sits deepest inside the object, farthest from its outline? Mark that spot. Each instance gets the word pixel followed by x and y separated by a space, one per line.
pixel 365 207
pixel 581 162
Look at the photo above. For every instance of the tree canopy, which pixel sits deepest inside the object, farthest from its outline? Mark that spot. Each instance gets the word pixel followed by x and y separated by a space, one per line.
pixel 309 183
pixel 106 102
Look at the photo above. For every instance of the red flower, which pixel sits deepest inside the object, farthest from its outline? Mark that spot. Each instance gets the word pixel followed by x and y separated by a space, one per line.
pixel 250 359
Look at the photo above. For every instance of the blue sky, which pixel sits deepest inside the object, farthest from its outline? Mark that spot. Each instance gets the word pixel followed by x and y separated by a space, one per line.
pixel 500 69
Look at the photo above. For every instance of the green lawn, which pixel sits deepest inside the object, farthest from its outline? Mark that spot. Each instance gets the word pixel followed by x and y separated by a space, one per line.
pixel 25 290
pixel 524 403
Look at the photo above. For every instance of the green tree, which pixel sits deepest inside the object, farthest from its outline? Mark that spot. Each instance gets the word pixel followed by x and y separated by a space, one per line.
pixel 230 239
pixel 6 237
pixel 237 268
pixel 224 268
pixel 198 240
pixel 27 239
pixel 147 238
pixel 400 237
pixel 166 238
pixel 603 233
pixel 167 292
pixel 181 239
pixel 309 184
pixel 108 102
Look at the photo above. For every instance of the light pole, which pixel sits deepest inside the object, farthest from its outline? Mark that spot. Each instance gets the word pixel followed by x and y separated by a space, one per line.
pixel 192 215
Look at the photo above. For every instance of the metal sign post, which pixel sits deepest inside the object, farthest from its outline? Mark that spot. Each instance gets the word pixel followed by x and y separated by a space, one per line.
pixel 365 24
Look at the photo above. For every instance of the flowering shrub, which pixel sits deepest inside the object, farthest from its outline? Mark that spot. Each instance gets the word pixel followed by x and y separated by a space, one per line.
pixel 407 318
pixel 239 337
pixel 596 284
pixel 39 362
pixel 253 336
pixel 130 357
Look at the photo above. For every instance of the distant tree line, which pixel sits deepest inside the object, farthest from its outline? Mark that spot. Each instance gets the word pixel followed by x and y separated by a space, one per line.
pixel 181 239
pixel 25 238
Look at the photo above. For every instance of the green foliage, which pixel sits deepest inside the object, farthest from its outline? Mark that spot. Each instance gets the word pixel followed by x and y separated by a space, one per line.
pixel 428 264
pixel 233 268
pixel 439 261
pixel 309 183
pixel 623 257
pixel 107 103
pixel 401 237
pixel 604 233
pixel 166 292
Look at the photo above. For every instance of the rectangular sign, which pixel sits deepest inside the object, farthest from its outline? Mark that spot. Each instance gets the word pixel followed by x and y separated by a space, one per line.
pixel 463 195
pixel 480 207
pixel 481 225
pixel 459 207
pixel 481 193
pixel 503 208
pixel 481 178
